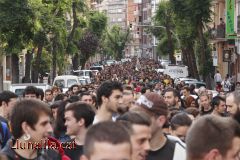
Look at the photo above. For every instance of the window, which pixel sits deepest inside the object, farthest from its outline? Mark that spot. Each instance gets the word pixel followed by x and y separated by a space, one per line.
pixel 71 82
pixel 59 83
pixel 140 19
pixel 145 17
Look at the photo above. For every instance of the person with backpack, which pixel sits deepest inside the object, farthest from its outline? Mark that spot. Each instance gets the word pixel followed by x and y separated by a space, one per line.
pixel 7 102
pixel 226 84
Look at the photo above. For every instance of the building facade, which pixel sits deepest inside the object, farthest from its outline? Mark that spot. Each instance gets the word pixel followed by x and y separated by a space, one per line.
pixel 116 11
pixel 225 37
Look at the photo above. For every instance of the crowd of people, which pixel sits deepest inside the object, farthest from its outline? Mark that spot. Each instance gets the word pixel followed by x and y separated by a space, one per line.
pixel 130 112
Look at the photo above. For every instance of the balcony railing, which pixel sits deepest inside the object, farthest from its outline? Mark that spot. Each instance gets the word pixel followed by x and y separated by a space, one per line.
pixel 219 32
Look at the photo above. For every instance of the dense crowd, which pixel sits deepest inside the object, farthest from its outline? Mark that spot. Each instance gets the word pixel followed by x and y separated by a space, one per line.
pixel 129 112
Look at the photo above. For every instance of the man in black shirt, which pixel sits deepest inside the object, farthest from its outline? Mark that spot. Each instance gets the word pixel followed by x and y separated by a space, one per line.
pixel 79 116
pixel 160 146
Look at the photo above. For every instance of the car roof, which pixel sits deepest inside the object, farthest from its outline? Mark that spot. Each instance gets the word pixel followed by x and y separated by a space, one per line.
pixel 29 84
pixel 199 82
pixel 67 76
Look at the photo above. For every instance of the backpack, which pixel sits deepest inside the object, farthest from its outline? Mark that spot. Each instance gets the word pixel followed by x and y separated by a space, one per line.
pixel 3 134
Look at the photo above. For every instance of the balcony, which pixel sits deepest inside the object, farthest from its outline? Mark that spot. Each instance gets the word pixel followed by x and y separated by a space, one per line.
pixel 220 31
pixel 218 34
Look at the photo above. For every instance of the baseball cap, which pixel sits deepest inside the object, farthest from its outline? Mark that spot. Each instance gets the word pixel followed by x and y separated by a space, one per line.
pixel 154 103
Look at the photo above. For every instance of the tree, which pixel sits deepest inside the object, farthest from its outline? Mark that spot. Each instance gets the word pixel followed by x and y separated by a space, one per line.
pixel 78 7
pixel 187 37
pixel 164 17
pixel 28 60
pixel 49 32
pixel 16 30
pixel 115 41
pixel 88 44
pixel 198 14
pixel 85 24
pixel 97 23
pixel 44 65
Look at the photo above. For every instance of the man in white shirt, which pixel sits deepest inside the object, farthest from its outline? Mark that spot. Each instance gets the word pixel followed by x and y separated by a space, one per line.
pixel 217 77
pixel 226 84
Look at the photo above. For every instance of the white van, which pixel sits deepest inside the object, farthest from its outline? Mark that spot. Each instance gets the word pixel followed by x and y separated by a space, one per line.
pixel 83 73
pixel 176 71
pixel 65 81
pixel 19 88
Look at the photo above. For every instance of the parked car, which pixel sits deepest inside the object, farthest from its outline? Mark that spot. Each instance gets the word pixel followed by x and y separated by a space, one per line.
pixel 83 73
pixel 99 68
pixel 183 79
pixel 65 81
pixel 18 88
pixel 164 62
pixel 83 81
pixel 197 84
pixel 160 70
pixel 110 62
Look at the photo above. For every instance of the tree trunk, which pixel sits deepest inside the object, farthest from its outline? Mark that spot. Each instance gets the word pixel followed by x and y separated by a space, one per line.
pixel 82 60
pixel 202 47
pixel 38 61
pixel 193 63
pixel 54 59
pixel 15 68
pixel 190 60
pixel 75 61
pixel 75 21
pixel 28 65
pixel 170 46
pixel 75 58
pixel 186 59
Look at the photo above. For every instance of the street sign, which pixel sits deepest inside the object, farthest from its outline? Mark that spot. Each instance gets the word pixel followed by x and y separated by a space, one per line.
pixel 227 56
pixel 179 57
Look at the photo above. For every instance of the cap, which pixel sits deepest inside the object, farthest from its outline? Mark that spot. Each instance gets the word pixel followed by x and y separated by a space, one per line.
pixel 153 103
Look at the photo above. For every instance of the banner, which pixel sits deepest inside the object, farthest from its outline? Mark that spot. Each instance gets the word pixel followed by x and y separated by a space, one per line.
pixel 215 58
pixel 230 9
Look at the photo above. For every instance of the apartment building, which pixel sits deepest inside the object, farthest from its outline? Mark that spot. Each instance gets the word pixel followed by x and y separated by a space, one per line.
pixel 134 19
pixel 139 20
pixel 225 37
pixel 136 15
pixel 114 9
